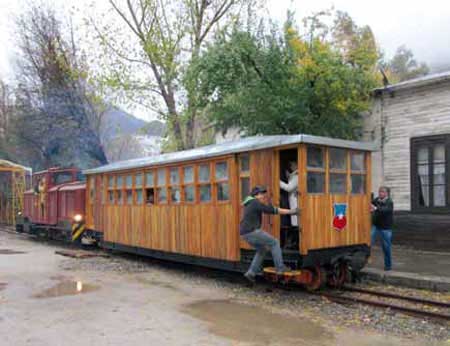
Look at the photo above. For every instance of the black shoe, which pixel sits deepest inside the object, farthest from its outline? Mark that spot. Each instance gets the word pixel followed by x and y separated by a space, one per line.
pixel 250 278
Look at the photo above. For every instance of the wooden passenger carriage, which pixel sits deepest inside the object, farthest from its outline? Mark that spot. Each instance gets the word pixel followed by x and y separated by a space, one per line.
pixel 187 205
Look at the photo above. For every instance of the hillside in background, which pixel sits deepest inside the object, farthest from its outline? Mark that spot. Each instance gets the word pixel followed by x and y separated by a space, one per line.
pixel 126 137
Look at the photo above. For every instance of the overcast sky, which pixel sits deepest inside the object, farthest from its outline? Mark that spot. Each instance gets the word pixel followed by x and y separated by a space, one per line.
pixel 423 26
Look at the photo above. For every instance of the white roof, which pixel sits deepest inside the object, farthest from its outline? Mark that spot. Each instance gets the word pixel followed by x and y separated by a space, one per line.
pixel 231 147
pixel 416 82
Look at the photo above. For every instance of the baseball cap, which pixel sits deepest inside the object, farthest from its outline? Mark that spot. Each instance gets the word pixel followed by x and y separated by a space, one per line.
pixel 258 189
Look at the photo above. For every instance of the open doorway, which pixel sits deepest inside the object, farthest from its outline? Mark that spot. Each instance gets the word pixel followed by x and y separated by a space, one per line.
pixel 289 232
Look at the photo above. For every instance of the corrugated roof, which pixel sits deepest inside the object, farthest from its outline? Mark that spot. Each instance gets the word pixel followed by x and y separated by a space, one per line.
pixel 241 145
pixel 425 80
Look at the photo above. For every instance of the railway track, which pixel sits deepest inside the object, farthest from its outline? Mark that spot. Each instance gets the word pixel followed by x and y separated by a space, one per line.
pixel 416 306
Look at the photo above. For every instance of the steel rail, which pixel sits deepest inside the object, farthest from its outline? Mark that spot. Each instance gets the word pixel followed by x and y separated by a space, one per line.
pixel 397 296
pixel 416 312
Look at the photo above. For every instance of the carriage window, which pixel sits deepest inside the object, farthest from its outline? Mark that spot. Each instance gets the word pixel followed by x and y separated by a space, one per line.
pixel 111 182
pixel 138 180
pixel 175 193
pixel 204 183
pixel 139 197
pixel 129 196
pixel 188 180
pixel 337 165
pixel 62 177
pixel 129 181
pixel 338 159
pixel 244 175
pixel 149 196
pixel 221 175
pixel 119 182
pixel 119 197
pixel 160 182
pixel 315 180
pixel 149 179
pixel 315 157
pixel 245 163
pixel 111 197
pixel 358 172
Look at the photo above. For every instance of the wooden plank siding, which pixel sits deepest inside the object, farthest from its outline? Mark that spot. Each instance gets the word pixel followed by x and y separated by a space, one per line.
pixel 317 212
pixel 199 229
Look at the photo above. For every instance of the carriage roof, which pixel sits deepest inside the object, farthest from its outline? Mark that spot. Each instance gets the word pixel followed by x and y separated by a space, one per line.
pixel 231 147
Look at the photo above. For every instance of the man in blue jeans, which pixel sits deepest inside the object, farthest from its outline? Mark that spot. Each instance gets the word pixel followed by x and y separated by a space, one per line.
pixel 382 219
pixel 250 229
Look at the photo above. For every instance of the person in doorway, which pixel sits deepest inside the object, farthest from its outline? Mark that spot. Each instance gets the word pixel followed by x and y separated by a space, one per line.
pixel 250 230
pixel 291 187
pixel 382 209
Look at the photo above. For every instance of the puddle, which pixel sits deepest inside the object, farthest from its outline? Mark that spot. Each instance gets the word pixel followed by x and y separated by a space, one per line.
pixel 256 326
pixel 66 288
pixel 10 252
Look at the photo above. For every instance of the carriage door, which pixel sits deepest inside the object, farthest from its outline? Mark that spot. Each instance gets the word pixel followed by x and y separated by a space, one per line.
pixel 257 168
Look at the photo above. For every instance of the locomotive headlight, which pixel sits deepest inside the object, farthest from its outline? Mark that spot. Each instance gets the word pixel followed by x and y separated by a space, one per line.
pixel 78 218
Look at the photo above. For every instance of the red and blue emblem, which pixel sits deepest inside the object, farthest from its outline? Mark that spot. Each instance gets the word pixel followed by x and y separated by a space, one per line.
pixel 340 216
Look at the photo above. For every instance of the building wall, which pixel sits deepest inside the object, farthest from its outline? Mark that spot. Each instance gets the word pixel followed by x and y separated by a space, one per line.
pixel 395 118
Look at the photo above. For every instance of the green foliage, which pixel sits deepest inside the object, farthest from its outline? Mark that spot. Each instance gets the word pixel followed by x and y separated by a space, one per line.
pixel 282 83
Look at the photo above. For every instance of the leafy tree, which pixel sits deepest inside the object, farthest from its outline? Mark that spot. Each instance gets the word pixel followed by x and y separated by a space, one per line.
pixel 53 104
pixel 404 66
pixel 149 66
pixel 286 83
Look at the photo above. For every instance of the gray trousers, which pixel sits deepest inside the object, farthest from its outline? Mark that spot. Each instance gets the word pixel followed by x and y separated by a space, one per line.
pixel 263 242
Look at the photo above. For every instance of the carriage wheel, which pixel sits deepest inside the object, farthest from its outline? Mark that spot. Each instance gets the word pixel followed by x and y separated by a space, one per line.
pixel 319 279
pixel 339 275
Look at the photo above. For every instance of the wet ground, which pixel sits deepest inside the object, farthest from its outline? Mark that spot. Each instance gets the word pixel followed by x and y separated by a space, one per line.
pixel 48 299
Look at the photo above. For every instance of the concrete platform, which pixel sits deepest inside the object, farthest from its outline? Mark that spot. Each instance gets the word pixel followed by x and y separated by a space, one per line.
pixel 412 268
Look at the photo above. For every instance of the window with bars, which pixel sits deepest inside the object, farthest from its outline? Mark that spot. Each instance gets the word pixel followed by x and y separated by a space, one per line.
pixel 430 173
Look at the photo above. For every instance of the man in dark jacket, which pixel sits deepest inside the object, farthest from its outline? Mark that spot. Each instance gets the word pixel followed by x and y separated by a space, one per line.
pixel 250 229
pixel 382 219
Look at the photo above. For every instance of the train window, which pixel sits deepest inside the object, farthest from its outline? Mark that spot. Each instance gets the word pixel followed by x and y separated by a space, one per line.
pixel 111 182
pixel 162 195
pixel 139 197
pixel 358 183
pixel 119 197
pixel 111 197
pixel 161 177
pixel 203 175
pixel 175 195
pixel 91 189
pixel 205 193
pixel 129 181
pixel 245 163
pixel 119 182
pixel 149 181
pixel 316 182
pixel 338 183
pixel 188 181
pixel 174 176
pixel 188 175
pixel 223 192
pixel 138 180
pixel 150 196
pixel 189 193
pixel 357 162
pixel 338 159
pixel 358 173
pixel 129 196
pixel 221 171
pixel 245 187
pixel 62 177
pixel 315 157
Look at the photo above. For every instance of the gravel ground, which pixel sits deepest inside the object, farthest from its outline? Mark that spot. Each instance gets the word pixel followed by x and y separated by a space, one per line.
pixel 293 302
